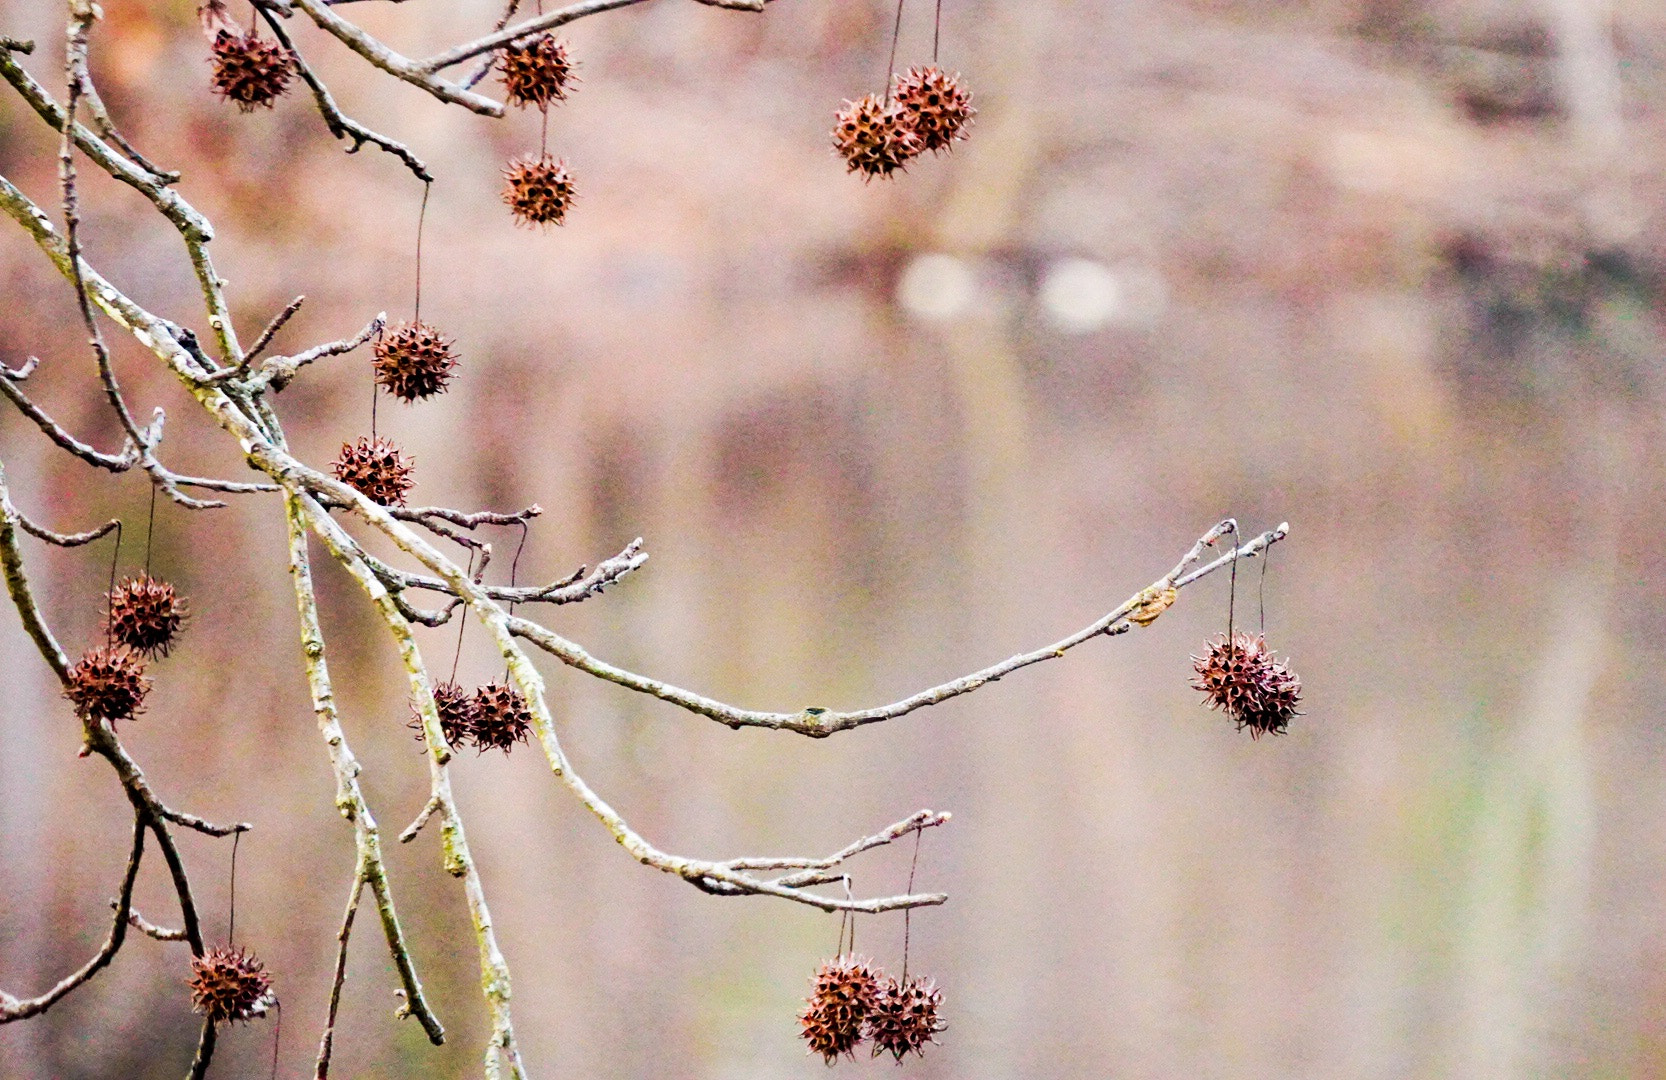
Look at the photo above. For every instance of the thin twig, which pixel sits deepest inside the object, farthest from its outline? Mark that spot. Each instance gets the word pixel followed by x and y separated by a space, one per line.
pixel 279 370
pixel 271 330
pixel 581 584
pixel 401 67
pixel 429 809
pixel 350 799
pixel 67 540
pixel 116 463
pixel 327 1042
pixel 340 124
pixel 819 722
pixel 150 929
pixel 12 1008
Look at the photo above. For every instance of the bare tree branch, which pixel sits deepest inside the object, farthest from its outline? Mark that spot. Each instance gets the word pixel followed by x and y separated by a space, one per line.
pixel 340 124
pixel 400 67
pixel 350 801
pixel 278 371
pixel 150 929
pixel 819 722
pixel 12 1008
pixel 271 330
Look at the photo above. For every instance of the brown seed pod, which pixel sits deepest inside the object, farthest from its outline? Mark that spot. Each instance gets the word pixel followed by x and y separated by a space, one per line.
pixel 1243 679
pixel 905 1017
pixel 874 138
pixel 414 361
pixel 835 1014
pixel 145 615
pixel 230 985
pixel 937 107
pixel 536 71
pixel 377 468
pixel 249 71
pixel 457 710
pixel 108 684
pixel 501 717
pixel 538 191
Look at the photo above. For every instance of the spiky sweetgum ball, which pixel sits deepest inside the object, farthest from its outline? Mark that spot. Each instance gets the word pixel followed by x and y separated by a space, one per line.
pixel 457 710
pixel 501 717
pixel 249 71
pixel 145 615
pixel 905 1016
pixel 538 191
pixel 936 106
pixel 842 995
pixel 377 468
pixel 1243 679
pixel 874 138
pixel 108 684
pixel 536 71
pixel 230 985
pixel 413 361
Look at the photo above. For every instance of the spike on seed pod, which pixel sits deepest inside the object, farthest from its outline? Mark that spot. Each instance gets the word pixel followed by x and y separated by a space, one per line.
pixel 145 615
pixel 874 138
pixel 108 684
pixel 1244 680
pixel 536 71
pixel 249 71
pixel 501 717
pixel 457 709
pixel 377 468
pixel 230 985
pixel 414 361
pixel 936 105
pixel 905 1016
pixel 538 191
pixel 843 993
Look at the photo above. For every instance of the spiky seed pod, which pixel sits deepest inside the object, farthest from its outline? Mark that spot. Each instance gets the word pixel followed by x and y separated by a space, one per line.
pixel 842 996
pixel 501 718
pixel 230 985
pixel 249 71
pixel 905 1017
pixel 414 361
pixel 1243 679
pixel 377 468
pixel 538 191
pixel 874 138
pixel 145 615
pixel 536 71
pixel 457 710
pixel 108 684
pixel 1281 692
pixel 936 105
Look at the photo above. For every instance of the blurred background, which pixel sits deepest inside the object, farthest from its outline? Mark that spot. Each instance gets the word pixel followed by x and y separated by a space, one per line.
pixel 1390 270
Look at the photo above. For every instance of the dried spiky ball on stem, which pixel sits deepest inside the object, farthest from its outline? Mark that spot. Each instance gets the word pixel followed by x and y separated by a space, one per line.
pixel 538 191
pixel 145 615
pixel 377 468
pixel 501 717
pixel 249 71
pixel 536 71
pixel 905 1016
pixel 457 709
pixel 230 985
pixel 1243 679
pixel 414 361
pixel 108 684
pixel 873 137
pixel 936 106
pixel 843 994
